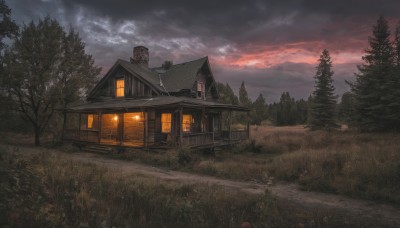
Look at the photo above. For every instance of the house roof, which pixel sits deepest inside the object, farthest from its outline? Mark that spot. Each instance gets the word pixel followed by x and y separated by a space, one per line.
pixel 154 102
pixel 178 77
pixel 138 70
pixel 181 76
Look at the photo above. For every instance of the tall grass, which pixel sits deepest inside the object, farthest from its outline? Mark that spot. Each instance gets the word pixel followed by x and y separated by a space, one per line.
pixel 46 191
pixel 355 164
pixel 343 162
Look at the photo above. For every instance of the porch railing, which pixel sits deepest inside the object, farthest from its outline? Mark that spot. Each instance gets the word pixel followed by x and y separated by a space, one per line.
pixel 198 139
pixel 82 135
pixel 71 134
pixel 235 135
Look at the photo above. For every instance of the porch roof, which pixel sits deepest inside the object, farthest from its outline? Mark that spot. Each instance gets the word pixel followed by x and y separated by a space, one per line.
pixel 154 102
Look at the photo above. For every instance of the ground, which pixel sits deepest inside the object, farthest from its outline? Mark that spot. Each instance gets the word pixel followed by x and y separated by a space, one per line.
pixel 386 215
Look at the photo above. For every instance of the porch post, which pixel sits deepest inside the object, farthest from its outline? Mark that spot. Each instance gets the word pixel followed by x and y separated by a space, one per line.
pixel 79 127
pixel 64 127
pixel 180 126
pixel 99 121
pixel 146 128
pixel 229 126
pixel 248 125
pixel 120 128
pixel 203 121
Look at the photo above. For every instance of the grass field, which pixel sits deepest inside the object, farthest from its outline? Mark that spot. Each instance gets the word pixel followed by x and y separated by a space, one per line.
pixel 45 190
pixel 359 165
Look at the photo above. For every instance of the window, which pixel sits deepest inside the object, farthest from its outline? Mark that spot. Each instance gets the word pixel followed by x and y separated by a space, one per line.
pixel 200 90
pixel 119 87
pixel 186 121
pixel 90 121
pixel 166 122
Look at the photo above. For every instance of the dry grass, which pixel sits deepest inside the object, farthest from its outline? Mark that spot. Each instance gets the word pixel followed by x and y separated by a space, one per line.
pixel 43 190
pixel 46 191
pixel 343 162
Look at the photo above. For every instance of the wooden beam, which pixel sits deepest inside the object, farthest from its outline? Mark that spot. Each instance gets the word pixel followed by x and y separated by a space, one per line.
pixel 230 126
pixel 64 127
pixel 120 128
pixel 79 126
pixel 248 125
pixel 146 128
pixel 99 121
pixel 180 126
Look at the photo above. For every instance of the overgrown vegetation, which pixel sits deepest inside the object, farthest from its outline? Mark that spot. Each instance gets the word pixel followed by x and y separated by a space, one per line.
pixel 46 191
pixel 41 189
pixel 361 165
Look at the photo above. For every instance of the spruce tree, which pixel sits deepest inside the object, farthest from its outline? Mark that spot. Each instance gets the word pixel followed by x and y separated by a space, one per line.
pixel 244 99
pixel 259 110
pixel 323 109
pixel 392 89
pixel 373 86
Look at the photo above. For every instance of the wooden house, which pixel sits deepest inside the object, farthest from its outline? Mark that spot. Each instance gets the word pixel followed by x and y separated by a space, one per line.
pixel 168 106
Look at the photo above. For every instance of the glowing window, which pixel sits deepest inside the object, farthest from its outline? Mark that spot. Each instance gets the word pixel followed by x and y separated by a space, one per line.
pixel 166 122
pixel 90 121
pixel 186 121
pixel 119 87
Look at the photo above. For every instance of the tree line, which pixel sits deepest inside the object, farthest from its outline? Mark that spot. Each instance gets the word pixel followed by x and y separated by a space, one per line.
pixel 371 105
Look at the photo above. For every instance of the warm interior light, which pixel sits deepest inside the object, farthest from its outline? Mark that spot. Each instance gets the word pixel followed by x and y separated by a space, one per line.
pixel 115 118
pixel 137 117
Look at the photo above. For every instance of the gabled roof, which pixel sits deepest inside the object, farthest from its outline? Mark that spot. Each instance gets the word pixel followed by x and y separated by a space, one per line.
pixel 145 74
pixel 178 77
pixel 181 76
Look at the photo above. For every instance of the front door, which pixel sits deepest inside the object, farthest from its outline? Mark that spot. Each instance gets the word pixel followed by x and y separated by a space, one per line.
pixel 109 129
pixel 133 130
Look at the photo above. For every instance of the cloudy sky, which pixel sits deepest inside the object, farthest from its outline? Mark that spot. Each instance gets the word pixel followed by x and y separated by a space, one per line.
pixel 271 45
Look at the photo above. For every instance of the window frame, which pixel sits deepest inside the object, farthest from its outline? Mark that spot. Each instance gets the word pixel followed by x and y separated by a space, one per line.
pixel 200 90
pixel 186 126
pixel 166 124
pixel 118 88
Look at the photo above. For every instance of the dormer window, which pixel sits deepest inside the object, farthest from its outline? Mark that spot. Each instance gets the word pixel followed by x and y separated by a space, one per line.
pixel 200 90
pixel 120 87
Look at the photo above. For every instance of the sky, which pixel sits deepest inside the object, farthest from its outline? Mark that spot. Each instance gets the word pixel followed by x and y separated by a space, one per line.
pixel 273 46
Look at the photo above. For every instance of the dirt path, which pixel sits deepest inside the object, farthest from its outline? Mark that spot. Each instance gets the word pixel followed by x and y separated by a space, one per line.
pixel 360 209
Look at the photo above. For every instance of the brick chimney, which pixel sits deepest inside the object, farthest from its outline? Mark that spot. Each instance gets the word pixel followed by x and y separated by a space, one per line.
pixel 140 56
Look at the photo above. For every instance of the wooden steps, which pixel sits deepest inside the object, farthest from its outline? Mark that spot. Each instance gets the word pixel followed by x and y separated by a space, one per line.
pixel 98 149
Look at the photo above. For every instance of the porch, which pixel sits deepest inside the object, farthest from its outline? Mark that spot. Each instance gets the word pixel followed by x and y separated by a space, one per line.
pixel 163 126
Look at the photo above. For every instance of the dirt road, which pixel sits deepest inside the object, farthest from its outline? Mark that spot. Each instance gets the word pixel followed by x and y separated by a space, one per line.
pixel 353 208
pixel 289 192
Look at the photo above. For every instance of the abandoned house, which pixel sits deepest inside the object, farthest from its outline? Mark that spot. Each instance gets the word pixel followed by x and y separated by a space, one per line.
pixel 168 106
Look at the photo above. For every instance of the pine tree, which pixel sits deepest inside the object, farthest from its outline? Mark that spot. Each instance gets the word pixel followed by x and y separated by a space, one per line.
pixel 372 87
pixel 323 109
pixel 259 110
pixel 244 99
pixel 392 88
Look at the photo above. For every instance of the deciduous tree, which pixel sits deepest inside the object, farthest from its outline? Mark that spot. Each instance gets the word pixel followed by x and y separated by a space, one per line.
pixel 46 68
pixel 8 28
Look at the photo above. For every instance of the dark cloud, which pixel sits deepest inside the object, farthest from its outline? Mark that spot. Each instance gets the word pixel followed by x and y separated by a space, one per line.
pixel 271 45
